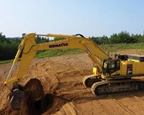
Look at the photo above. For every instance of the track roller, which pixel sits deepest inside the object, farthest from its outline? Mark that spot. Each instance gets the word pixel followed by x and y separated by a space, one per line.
pixel 117 86
pixel 97 90
pixel 141 86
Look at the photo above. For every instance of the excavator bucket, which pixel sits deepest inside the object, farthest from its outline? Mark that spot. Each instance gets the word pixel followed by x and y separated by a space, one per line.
pixel 16 99
pixel 16 96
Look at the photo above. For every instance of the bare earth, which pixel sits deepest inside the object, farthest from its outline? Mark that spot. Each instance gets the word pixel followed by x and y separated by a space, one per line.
pixel 62 78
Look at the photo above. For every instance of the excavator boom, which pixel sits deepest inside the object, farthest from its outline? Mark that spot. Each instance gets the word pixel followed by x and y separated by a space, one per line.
pixel 28 47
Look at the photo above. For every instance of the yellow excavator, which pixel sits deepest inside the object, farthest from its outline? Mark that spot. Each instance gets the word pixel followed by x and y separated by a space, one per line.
pixel 110 75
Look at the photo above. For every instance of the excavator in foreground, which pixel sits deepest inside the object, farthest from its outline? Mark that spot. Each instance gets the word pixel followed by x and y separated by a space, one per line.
pixel 110 75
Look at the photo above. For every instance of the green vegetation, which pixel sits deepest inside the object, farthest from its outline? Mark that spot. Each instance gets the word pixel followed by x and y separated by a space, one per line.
pixel 118 47
pixel 122 37
pixel 106 47
pixel 6 61
pixel 116 42
pixel 58 52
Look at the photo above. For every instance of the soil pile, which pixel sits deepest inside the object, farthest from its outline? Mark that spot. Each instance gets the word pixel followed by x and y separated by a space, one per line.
pixel 53 86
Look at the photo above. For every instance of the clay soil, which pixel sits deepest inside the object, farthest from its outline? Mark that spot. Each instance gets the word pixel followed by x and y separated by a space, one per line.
pixel 59 80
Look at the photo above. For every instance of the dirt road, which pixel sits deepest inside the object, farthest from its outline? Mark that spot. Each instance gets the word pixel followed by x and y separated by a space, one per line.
pixel 61 78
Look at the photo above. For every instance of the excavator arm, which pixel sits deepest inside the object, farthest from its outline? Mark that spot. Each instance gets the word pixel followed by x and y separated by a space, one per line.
pixel 28 48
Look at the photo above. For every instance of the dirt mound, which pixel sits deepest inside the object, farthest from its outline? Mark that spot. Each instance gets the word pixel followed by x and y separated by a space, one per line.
pixel 53 86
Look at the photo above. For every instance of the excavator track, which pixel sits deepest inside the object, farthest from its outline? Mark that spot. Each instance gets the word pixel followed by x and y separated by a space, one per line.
pixel 88 81
pixel 117 86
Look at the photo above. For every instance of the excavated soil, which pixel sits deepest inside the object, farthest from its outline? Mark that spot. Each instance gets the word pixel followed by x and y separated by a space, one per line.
pixel 53 86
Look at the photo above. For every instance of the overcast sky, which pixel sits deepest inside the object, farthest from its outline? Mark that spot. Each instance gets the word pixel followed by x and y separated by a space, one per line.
pixel 88 17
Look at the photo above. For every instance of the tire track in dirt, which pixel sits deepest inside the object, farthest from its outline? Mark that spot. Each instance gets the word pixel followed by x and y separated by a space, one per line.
pixel 116 107
pixel 89 105
pixel 67 109
pixel 98 105
pixel 131 103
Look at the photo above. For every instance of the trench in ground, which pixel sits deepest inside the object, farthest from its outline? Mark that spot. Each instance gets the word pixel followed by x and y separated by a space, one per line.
pixel 37 103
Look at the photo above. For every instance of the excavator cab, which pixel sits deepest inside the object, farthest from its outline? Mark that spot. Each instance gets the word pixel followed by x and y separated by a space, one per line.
pixel 110 66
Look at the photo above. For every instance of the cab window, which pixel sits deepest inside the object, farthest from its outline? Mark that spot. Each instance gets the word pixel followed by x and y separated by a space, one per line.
pixel 118 64
pixel 112 65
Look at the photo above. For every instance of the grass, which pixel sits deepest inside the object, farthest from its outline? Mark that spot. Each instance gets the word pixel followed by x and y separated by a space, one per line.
pixel 52 53
pixel 118 47
pixel 6 61
pixel 106 48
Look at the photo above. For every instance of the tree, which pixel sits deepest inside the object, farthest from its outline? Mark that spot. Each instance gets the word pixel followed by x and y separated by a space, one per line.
pixel 95 39
pixel 114 38
pixel 141 39
pixel 104 40
pixel 41 39
pixel 2 37
pixel 124 37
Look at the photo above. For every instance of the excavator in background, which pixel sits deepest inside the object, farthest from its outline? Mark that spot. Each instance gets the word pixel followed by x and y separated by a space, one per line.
pixel 110 75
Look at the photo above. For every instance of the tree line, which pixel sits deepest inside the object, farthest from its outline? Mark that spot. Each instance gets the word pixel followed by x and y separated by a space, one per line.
pixel 122 37
pixel 9 46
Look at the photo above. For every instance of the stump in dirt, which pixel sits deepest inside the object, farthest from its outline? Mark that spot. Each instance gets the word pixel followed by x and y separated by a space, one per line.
pixel 35 101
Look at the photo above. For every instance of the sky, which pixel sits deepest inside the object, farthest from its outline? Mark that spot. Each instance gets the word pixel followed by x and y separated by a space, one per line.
pixel 87 17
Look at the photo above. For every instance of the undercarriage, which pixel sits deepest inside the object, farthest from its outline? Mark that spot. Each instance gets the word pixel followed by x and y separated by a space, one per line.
pixel 105 87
